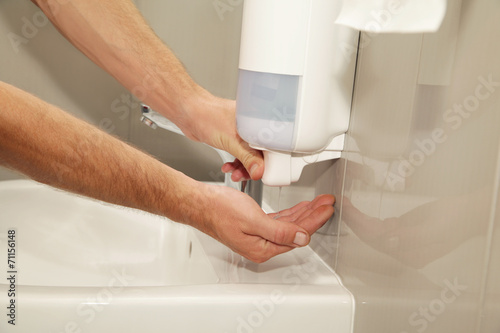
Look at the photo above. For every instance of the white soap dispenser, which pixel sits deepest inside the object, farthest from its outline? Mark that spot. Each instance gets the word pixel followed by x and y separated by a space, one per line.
pixel 296 75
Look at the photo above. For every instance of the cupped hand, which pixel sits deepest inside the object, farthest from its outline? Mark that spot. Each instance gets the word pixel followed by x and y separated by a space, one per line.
pixel 237 221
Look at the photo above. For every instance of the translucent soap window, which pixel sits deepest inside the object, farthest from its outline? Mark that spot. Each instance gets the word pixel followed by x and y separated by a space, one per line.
pixel 266 109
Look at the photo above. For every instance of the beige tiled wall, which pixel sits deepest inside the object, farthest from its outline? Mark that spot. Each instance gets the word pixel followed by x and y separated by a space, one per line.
pixel 415 233
pixel 46 65
pixel 205 37
pixel 417 245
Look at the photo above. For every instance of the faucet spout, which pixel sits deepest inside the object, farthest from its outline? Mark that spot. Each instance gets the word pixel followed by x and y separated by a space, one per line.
pixel 254 189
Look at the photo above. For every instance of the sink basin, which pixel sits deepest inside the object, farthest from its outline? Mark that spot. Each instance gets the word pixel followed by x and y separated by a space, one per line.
pixel 80 265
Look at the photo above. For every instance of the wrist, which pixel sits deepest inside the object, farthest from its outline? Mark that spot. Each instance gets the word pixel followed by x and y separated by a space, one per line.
pixel 196 205
pixel 210 119
pixel 192 110
pixel 197 114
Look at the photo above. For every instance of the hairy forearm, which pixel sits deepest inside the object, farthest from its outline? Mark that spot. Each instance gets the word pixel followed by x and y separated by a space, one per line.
pixel 55 148
pixel 115 36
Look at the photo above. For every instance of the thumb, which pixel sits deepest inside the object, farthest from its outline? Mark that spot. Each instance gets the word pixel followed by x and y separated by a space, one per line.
pixel 284 233
pixel 252 159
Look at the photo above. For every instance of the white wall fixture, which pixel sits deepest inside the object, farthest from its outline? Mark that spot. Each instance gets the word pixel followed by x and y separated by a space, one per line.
pixel 295 83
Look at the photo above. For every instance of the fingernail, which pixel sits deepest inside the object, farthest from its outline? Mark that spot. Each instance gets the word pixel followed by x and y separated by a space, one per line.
pixel 253 169
pixel 300 239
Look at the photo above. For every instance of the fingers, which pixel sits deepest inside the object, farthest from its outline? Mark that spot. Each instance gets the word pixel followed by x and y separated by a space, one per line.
pixel 229 166
pixel 303 208
pixel 251 159
pixel 291 213
pixel 308 217
pixel 250 165
pixel 237 170
pixel 268 250
pixel 279 235
pixel 323 199
pixel 283 233
pixel 316 219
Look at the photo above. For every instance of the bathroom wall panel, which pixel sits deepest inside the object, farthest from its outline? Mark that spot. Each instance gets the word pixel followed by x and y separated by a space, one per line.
pixel 204 34
pixel 47 65
pixel 413 245
pixel 36 58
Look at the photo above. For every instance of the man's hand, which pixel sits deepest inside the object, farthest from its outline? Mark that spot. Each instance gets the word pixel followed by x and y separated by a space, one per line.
pixel 235 220
pixel 237 170
pixel 214 123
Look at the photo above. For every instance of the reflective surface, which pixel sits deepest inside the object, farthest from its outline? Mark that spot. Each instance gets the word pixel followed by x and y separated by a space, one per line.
pixel 418 243
pixel 416 233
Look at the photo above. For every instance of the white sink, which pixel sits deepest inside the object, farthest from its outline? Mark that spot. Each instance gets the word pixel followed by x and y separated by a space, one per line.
pixel 84 266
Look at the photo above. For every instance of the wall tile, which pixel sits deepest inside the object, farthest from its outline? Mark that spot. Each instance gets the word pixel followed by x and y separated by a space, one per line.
pixel 421 163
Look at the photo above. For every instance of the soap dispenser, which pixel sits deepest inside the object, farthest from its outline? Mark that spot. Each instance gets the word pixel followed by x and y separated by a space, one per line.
pixel 296 76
